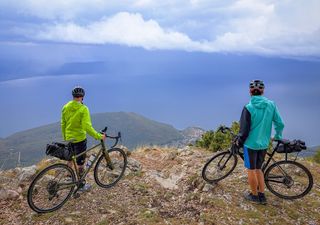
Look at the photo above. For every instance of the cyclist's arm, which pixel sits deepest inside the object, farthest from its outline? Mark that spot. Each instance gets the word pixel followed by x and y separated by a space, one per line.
pixel 87 125
pixel 278 124
pixel 63 125
pixel 245 124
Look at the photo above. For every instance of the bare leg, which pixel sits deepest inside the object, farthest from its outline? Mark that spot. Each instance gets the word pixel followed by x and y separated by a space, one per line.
pixel 253 182
pixel 260 179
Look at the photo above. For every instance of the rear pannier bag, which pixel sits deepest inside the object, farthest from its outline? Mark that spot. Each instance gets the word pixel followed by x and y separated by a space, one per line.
pixel 59 150
pixel 292 146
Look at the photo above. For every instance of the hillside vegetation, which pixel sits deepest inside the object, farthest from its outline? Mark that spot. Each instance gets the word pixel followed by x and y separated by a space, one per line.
pixel 136 130
pixel 166 188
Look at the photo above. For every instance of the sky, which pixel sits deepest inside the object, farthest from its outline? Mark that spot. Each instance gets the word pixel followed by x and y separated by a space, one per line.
pixel 186 63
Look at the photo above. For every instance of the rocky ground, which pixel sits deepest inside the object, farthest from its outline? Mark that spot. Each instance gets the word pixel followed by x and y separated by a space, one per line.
pixel 162 186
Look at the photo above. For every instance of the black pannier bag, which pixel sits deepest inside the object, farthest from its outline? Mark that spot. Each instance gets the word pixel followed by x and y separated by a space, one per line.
pixel 292 146
pixel 59 150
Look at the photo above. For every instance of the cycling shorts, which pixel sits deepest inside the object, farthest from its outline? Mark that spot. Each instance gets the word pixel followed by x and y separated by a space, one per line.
pixel 78 148
pixel 253 159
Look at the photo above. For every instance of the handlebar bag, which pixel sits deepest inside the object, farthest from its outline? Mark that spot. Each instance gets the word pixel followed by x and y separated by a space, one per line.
pixel 293 146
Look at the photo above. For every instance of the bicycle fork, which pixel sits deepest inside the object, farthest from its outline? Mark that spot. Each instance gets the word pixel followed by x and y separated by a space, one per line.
pixel 107 157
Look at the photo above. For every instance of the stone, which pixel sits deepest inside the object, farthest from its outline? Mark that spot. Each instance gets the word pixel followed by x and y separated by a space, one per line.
pixel 68 220
pixel 207 188
pixel 125 149
pixel 169 183
pixel 27 173
pixel 134 165
pixel 170 156
pixel 8 194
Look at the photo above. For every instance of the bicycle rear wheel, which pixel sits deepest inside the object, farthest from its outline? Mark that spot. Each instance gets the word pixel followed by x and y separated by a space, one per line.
pixel 219 167
pixel 51 188
pixel 288 179
pixel 108 173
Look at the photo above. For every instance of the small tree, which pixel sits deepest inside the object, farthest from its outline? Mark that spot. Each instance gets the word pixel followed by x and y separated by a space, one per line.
pixel 316 157
pixel 216 141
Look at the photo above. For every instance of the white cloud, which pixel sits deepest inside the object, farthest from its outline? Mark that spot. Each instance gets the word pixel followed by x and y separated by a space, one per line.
pixel 287 27
pixel 122 28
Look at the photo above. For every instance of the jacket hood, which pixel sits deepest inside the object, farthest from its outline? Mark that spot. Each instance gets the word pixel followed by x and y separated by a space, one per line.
pixel 73 105
pixel 259 102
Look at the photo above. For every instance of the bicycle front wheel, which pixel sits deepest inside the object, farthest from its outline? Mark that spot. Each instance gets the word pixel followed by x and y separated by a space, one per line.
pixel 288 179
pixel 219 167
pixel 109 170
pixel 51 188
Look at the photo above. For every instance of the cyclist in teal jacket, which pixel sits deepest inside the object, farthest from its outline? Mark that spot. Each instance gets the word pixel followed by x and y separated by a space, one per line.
pixel 255 132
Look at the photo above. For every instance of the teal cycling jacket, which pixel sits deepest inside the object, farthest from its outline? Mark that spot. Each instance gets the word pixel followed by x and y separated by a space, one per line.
pixel 256 123
pixel 76 122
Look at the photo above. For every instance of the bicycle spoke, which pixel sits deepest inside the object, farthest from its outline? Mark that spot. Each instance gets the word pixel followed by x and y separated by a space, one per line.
pixel 220 166
pixel 107 173
pixel 51 188
pixel 288 179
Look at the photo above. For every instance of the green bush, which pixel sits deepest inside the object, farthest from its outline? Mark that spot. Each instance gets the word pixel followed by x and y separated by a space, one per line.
pixel 216 141
pixel 316 157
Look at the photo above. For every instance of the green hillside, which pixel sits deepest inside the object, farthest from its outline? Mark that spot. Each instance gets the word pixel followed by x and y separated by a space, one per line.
pixel 136 130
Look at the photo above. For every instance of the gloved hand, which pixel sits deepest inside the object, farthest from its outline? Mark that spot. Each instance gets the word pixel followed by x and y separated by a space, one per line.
pixel 238 142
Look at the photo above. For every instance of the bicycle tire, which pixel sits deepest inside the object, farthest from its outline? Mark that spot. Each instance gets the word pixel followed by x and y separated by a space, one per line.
pixel 99 167
pixel 40 175
pixel 268 179
pixel 205 172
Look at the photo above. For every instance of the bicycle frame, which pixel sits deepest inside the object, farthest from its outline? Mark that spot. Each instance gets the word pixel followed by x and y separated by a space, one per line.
pixel 102 151
pixel 270 157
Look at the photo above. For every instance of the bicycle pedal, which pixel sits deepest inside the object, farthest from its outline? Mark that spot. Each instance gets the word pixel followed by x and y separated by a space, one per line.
pixel 76 195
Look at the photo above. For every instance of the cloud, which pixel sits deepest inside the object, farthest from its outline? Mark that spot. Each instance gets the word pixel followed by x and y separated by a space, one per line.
pixel 268 27
pixel 122 28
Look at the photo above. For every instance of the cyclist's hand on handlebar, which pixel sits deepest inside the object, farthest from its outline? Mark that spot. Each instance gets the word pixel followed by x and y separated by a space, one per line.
pixel 103 137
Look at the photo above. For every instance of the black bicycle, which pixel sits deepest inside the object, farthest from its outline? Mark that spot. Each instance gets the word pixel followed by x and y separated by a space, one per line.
pixel 55 184
pixel 286 179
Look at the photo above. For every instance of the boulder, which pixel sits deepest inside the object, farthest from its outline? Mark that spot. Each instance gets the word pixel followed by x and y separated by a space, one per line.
pixel 8 194
pixel 125 149
pixel 134 165
pixel 27 173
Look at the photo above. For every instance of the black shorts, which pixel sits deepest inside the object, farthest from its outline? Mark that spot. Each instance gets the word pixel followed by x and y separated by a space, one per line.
pixel 253 159
pixel 78 148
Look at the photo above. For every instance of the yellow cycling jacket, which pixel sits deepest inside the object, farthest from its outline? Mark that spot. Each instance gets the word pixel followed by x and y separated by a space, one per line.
pixel 76 122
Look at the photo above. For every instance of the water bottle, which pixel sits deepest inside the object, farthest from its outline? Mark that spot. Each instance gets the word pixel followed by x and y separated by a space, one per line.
pixel 90 160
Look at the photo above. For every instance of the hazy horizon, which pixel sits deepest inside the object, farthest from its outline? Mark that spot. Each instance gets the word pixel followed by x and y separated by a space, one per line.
pixel 181 63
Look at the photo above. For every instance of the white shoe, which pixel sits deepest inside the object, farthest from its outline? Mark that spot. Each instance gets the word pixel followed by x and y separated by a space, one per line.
pixel 85 188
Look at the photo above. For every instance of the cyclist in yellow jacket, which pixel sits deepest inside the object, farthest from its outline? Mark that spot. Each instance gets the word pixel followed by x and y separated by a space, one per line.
pixel 76 123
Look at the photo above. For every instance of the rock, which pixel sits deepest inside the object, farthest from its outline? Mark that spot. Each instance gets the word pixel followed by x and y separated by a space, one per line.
pixel 184 148
pixel 19 190
pixel 68 220
pixel 207 188
pixel 75 213
pixel 125 149
pixel 27 173
pixel 170 182
pixel 134 165
pixel 170 156
pixel 8 194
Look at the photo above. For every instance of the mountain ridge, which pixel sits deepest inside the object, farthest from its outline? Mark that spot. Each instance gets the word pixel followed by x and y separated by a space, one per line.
pixel 136 130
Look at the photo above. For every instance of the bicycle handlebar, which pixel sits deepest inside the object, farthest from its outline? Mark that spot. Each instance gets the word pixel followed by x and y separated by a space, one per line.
pixel 223 129
pixel 117 138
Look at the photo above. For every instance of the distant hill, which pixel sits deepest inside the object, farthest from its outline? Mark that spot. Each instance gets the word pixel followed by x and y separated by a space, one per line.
pixel 136 130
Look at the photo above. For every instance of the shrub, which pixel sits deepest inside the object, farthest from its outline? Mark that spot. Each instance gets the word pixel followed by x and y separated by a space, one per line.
pixel 316 157
pixel 216 141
